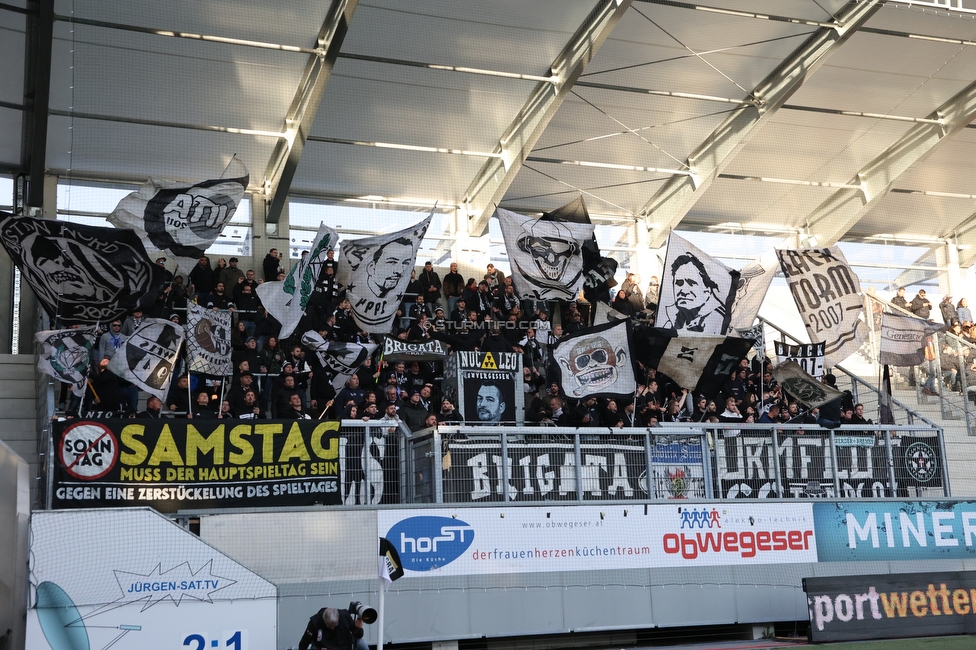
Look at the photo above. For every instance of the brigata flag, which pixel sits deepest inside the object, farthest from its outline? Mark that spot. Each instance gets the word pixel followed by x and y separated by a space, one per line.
pixel 828 295
pixel 147 358
pixel 287 299
pixel 702 362
pixel 903 339
pixel 597 361
pixel 395 350
pixel 208 340
pixel 336 361
pixel 183 219
pixel 546 256
pixel 65 355
pixel 83 275
pixel 697 291
pixel 803 387
pixel 376 272
pixel 390 567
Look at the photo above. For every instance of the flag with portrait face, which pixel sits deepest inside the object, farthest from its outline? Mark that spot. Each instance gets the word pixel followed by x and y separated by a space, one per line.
pixel 697 291
pixel 376 272
pixel 82 275
pixel 183 219
pixel 597 361
pixel 65 355
pixel 828 296
pixel 208 340
pixel 287 299
pixel 546 256
pixel 754 281
pixel 147 358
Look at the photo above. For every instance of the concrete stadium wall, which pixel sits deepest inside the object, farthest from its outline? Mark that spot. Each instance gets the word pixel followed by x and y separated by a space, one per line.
pixel 14 513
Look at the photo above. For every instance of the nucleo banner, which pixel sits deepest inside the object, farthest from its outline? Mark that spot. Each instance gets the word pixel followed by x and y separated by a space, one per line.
pixel 470 541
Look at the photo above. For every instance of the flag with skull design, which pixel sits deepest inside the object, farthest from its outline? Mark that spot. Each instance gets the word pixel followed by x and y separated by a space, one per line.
pixel 65 355
pixel 183 219
pixel 336 361
pixel 82 275
pixel 597 361
pixel 546 256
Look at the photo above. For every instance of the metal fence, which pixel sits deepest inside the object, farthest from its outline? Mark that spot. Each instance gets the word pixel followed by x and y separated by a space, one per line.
pixel 469 464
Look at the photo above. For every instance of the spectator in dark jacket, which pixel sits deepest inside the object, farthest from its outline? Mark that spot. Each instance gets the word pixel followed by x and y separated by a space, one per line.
pixel 899 300
pixel 920 305
pixel 948 310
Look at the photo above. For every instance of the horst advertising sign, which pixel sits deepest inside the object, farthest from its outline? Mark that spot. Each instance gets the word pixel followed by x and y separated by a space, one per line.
pixel 176 464
pixel 472 541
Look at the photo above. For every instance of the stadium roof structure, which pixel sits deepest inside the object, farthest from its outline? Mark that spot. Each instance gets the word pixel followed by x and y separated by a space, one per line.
pixel 827 119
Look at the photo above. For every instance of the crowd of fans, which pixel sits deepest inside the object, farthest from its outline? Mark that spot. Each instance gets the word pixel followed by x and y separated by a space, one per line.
pixel 276 378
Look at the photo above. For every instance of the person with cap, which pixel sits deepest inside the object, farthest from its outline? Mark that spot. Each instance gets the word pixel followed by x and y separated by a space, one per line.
pixel 920 305
pixel 431 283
pixel 440 323
pixel 111 341
pixel 231 275
pixel 948 310
pixel 167 274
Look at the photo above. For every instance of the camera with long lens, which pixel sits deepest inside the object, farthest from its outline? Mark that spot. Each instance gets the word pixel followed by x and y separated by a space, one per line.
pixel 365 612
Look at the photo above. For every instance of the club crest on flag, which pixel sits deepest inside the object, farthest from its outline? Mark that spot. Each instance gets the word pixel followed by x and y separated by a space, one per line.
pixel 208 340
pixel 65 355
pixel 147 358
pixel 336 360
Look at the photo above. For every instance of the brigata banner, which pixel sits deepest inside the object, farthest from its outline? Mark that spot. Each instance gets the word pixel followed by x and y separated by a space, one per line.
pixel 547 470
pixel 895 530
pixel 178 464
pixel 471 541
pixel 395 350
pixel 849 608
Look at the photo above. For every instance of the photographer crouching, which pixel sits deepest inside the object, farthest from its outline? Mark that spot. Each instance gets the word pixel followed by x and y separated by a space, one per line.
pixel 338 629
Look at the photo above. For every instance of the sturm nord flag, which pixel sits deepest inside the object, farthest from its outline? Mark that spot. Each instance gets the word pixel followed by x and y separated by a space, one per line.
pixel 183 219
pixel 83 275
pixel 546 256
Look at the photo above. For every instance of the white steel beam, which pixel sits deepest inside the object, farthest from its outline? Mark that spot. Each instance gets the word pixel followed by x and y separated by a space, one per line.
pixel 834 217
pixel 677 196
pixel 497 174
pixel 305 106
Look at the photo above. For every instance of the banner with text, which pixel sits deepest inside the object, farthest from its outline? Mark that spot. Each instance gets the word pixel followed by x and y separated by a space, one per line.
pixel 472 541
pixel 176 465
pixel 809 356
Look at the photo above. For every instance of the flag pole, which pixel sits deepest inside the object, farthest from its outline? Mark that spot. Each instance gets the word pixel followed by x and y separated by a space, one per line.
pixel 379 619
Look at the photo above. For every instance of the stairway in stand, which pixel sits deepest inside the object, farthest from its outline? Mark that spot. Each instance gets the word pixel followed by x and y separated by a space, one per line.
pixel 18 409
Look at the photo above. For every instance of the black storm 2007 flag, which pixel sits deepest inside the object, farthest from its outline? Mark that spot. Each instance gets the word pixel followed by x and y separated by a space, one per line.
pixel 82 274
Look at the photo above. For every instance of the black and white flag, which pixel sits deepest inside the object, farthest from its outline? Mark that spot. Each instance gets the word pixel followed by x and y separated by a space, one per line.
pixel 395 350
pixel 335 360
pixel 702 362
pixel 598 270
pixel 758 335
pixel 65 355
pixel 809 356
pixel 183 219
pixel 754 281
pixel 390 567
pixel 147 358
pixel 804 388
pixel 546 256
pixel 83 275
pixel 208 340
pixel 597 361
pixel 287 299
pixel 827 294
pixel 903 339
pixel 697 291
pixel 376 272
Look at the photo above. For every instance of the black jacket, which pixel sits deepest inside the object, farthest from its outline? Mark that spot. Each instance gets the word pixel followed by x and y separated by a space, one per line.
pixel 342 637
